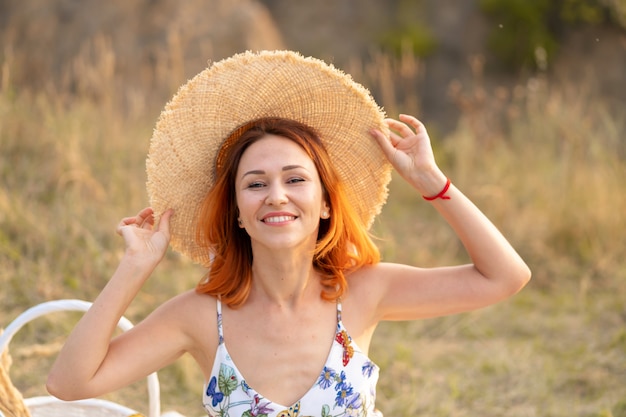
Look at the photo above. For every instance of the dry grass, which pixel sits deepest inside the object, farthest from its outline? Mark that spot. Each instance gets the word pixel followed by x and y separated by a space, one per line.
pixel 546 163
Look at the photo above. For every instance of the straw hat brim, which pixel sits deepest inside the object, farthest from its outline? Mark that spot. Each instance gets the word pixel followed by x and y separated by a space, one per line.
pixel 203 113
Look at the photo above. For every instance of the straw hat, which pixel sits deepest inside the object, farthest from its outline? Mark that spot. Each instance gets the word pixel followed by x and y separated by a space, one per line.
pixel 249 86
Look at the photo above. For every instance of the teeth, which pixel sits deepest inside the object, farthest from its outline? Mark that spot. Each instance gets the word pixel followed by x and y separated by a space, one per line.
pixel 278 219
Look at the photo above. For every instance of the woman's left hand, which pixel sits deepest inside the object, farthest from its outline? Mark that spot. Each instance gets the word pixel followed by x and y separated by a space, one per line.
pixel 409 150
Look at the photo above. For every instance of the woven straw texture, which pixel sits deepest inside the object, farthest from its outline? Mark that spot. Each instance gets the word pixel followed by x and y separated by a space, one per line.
pixel 11 400
pixel 246 87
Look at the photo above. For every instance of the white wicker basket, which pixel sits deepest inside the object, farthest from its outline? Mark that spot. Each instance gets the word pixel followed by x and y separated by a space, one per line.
pixel 49 406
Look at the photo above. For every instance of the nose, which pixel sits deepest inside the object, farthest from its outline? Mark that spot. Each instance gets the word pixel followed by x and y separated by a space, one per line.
pixel 276 195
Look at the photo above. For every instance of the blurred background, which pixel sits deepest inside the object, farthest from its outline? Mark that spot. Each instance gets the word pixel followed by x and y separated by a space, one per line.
pixel 525 103
pixel 147 48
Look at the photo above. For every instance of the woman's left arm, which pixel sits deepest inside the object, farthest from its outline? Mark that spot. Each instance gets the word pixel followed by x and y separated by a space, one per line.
pixel 497 271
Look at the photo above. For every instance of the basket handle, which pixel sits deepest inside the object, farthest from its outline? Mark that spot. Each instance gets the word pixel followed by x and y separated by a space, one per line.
pixel 77 305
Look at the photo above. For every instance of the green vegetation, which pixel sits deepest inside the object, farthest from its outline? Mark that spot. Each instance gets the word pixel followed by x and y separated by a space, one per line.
pixel 546 164
pixel 415 38
pixel 526 34
pixel 409 33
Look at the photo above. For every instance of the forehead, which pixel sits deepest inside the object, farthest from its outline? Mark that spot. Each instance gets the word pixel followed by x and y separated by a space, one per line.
pixel 275 148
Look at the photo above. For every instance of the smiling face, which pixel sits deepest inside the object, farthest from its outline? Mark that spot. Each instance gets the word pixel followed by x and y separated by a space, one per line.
pixel 279 194
pixel 275 178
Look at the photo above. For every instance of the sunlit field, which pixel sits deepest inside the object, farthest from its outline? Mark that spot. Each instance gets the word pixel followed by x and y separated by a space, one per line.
pixel 547 163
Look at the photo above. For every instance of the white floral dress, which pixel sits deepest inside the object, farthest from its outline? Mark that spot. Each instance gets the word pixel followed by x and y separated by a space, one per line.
pixel 346 385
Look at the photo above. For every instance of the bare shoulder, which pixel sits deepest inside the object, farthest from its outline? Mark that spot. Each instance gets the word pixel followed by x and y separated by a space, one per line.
pixel 361 302
pixel 365 286
pixel 370 279
pixel 196 316
pixel 371 288
pixel 192 310
pixel 364 278
pixel 188 301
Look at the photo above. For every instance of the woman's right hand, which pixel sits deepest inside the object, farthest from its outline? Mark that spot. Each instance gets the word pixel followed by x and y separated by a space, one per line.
pixel 90 363
pixel 143 240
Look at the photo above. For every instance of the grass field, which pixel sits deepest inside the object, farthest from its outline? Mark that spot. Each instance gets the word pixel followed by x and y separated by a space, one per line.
pixel 546 163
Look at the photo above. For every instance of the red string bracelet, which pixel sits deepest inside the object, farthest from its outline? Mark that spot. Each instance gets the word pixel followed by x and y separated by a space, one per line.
pixel 442 194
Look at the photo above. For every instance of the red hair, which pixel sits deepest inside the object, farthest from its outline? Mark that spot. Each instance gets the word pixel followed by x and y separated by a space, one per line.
pixel 343 242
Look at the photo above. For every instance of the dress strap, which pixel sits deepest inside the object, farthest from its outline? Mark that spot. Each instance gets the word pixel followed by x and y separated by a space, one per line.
pixel 220 330
pixel 338 312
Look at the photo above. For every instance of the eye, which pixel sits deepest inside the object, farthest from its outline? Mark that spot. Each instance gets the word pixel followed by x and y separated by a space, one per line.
pixel 256 184
pixel 295 180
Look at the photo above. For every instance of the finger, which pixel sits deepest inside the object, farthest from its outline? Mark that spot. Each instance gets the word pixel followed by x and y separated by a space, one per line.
pixel 137 220
pixel 395 139
pixel 399 127
pixel 118 229
pixel 145 218
pixel 126 221
pixel 126 231
pixel 413 121
pixel 385 144
pixel 164 222
pixel 147 222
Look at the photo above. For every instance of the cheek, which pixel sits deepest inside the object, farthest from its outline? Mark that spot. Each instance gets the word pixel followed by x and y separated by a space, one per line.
pixel 247 204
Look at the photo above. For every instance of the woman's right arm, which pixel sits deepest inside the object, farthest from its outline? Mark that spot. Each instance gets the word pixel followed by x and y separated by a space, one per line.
pixel 90 363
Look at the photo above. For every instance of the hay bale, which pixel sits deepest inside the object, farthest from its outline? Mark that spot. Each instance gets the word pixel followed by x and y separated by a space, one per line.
pixel 11 400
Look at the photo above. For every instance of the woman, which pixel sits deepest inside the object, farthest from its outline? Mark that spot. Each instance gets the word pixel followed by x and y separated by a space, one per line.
pixel 269 169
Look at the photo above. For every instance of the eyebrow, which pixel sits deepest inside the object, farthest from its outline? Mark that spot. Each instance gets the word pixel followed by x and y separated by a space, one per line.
pixel 261 172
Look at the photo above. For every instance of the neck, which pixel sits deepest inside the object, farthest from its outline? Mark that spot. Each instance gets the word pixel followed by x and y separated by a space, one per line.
pixel 284 280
